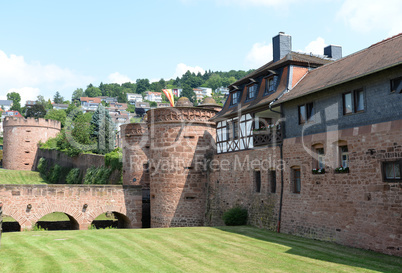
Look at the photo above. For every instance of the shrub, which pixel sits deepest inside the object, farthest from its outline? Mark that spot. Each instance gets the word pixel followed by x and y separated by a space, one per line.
pixel 73 176
pixel 114 159
pixel 236 216
pixel 55 174
pixel 97 175
pixel 42 167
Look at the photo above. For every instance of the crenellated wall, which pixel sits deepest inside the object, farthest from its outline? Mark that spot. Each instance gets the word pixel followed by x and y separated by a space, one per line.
pixel 20 139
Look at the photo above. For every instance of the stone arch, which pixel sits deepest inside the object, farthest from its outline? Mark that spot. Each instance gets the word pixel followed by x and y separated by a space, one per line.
pixel 10 226
pixel 76 217
pixel 120 213
pixel 15 215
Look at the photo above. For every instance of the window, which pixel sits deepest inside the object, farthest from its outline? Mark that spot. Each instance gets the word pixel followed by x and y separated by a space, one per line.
pixel 272 176
pixel 235 97
pixel 320 158
pixel 392 171
pixel 296 180
pixel 344 156
pixel 396 85
pixel 235 129
pixel 353 102
pixel 306 113
pixel 251 91
pixel 257 175
pixel 269 85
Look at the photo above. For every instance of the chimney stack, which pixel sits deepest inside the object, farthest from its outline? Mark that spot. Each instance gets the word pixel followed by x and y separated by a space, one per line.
pixel 282 45
pixel 333 52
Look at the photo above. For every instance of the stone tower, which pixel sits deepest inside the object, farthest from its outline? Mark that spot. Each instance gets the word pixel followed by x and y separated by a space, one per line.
pixel 20 140
pixel 180 138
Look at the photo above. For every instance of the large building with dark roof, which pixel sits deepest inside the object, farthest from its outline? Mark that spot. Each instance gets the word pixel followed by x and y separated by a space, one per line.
pixel 311 146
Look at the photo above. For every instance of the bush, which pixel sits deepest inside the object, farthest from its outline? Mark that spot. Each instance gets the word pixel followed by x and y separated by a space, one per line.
pixel 97 175
pixel 73 176
pixel 55 174
pixel 236 216
pixel 114 159
pixel 42 167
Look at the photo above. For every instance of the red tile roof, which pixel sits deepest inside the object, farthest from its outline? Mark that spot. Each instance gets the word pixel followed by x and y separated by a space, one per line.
pixel 87 99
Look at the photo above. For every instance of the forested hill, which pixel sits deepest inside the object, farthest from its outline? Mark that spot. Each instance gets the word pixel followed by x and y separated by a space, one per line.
pixel 187 82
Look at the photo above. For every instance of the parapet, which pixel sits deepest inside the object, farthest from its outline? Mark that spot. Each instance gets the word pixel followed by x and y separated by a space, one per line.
pixel 180 114
pixel 134 129
pixel 31 122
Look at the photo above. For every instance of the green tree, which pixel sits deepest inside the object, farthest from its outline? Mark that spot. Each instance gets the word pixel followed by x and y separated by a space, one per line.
pixel 142 85
pixel 92 91
pixel 58 98
pixel 36 111
pixel 131 108
pixel 189 93
pixel 16 98
pixel 103 130
pixel 77 94
pixel 59 115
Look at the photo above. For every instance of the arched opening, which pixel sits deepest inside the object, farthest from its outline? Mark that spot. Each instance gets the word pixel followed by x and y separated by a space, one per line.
pixel 10 224
pixel 111 219
pixel 58 221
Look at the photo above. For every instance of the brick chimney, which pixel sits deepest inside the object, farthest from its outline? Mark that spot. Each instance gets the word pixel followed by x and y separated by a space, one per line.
pixel 333 52
pixel 282 45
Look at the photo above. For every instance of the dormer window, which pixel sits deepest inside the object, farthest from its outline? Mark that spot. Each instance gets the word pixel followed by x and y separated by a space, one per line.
pixel 269 85
pixel 251 91
pixel 235 98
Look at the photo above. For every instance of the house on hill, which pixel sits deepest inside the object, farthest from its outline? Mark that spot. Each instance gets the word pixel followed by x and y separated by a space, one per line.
pixel 89 104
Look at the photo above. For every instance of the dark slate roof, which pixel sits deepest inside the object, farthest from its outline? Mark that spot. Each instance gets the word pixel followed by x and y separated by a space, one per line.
pixel 380 56
pixel 292 57
pixel 281 68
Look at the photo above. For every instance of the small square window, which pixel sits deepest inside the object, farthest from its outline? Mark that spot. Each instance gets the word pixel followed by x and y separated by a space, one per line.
pixel 392 171
pixel 353 102
pixel 306 113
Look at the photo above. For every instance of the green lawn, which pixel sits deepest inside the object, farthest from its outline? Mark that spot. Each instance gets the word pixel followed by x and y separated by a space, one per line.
pixel 202 249
pixel 20 177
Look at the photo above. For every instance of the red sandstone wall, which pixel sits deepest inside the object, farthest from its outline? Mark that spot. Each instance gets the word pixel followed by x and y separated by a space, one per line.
pixel 135 154
pixel 179 140
pixel 21 137
pixel 356 209
pixel 233 185
pixel 46 199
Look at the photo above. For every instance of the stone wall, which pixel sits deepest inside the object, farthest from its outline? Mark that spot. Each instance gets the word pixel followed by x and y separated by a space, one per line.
pixel 124 201
pixel 180 139
pixel 356 209
pixel 21 137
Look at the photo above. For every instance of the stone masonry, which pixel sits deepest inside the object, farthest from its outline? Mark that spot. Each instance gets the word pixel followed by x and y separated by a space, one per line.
pixel 28 203
pixel 21 137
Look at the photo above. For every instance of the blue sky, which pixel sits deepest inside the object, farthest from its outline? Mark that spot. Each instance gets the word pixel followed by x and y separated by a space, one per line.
pixel 49 46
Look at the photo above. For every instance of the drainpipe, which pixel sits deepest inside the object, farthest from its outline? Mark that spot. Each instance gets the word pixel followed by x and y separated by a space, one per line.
pixel 281 154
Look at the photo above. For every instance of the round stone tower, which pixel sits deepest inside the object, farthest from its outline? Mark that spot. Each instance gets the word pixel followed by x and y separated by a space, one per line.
pixel 20 139
pixel 181 138
pixel 135 154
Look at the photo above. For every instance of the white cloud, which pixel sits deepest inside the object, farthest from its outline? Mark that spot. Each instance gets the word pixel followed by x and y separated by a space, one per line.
pixel 316 46
pixel 368 15
pixel 259 55
pixel 116 77
pixel 182 68
pixel 32 79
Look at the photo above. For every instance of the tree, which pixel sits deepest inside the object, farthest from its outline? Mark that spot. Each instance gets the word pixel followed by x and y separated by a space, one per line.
pixel 58 98
pixel 36 111
pixel 77 94
pixel 142 85
pixel 189 93
pixel 59 115
pixel 16 98
pixel 92 91
pixel 103 130
pixel 131 108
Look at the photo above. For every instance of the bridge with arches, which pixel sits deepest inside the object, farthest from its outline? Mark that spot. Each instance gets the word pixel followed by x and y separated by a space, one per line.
pixel 27 204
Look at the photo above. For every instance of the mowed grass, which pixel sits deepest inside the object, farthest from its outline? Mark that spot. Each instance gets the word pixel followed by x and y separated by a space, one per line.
pixel 20 177
pixel 200 249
